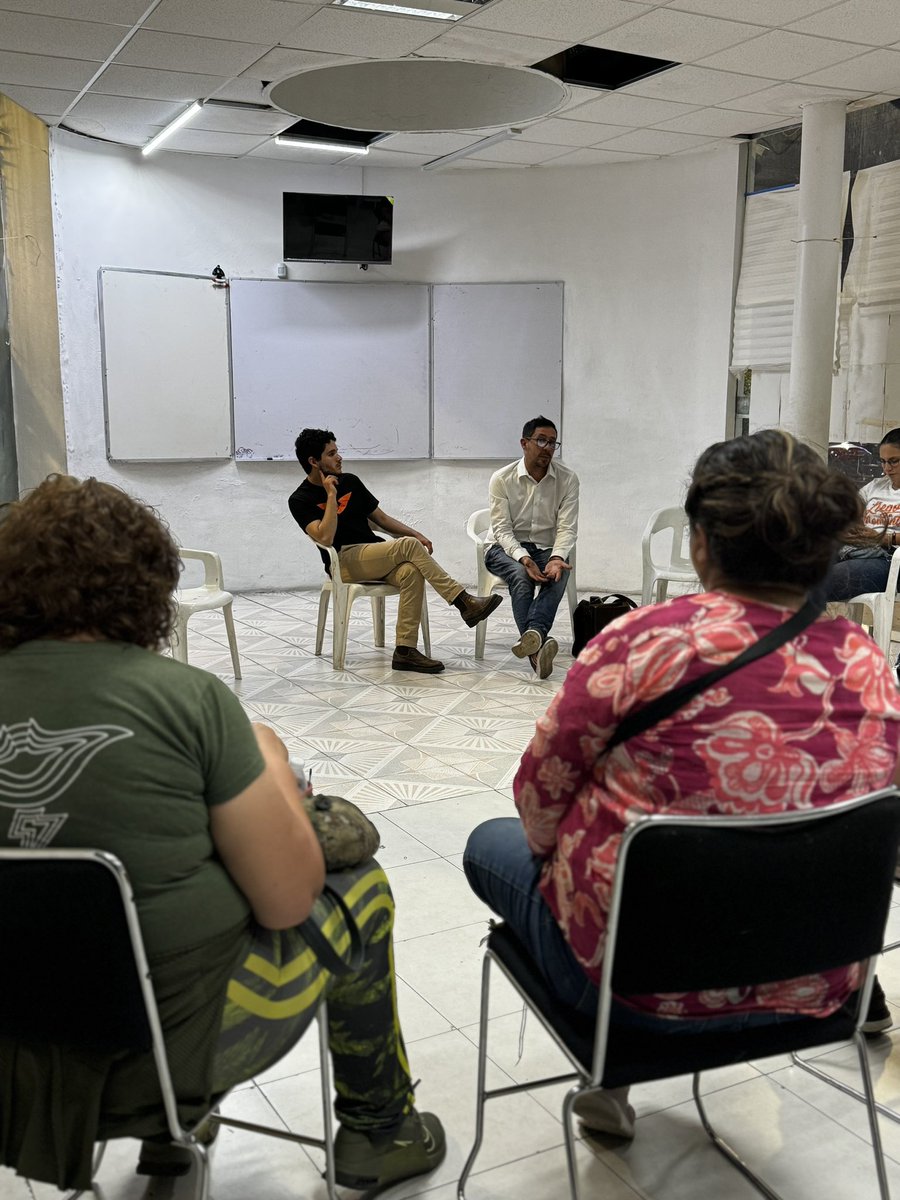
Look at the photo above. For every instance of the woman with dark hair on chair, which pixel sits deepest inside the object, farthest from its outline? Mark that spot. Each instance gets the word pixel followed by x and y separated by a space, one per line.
pixel 863 563
pixel 105 743
pixel 814 722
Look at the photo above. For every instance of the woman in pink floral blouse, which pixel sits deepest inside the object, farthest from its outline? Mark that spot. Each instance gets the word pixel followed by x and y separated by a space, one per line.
pixel 814 722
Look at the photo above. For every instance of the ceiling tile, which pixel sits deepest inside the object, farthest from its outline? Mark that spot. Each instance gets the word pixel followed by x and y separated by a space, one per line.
pixel 268 21
pixel 598 158
pixel 27 33
pixel 113 12
pixel 276 64
pixel 572 21
pixel 201 141
pixel 46 101
pixel 655 141
pixel 109 111
pixel 558 132
pixel 517 151
pixel 580 95
pixel 219 119
pixel 786 98
pixel 677 36
pixel 718 122
pixel 781 55
pixel 177 52
pixel 761 12
pixel 624 108
pixel 430 144
pixel 381 156
pixel 876 22
pixel 368 34
pixel 484 45
pixel 123 133
pixel 876 71
pixel 35 70
pixel 150 84
pixel 697 85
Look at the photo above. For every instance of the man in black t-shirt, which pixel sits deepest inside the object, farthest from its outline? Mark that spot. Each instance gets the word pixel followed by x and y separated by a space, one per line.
pixel 339 510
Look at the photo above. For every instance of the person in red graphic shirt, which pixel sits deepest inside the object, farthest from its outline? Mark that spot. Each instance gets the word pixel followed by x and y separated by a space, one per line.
pixel 815 722
pixel 337 509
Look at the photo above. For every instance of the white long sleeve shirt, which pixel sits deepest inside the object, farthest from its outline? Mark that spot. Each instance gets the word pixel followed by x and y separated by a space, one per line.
pixel 524 510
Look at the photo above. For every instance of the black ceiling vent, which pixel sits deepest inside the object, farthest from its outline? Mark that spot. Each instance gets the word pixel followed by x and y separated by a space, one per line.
pixel 314 131
pixel 606 70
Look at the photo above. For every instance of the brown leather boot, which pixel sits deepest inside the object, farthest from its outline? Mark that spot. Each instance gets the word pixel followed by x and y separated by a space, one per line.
pixel 475 608
pixel 408 658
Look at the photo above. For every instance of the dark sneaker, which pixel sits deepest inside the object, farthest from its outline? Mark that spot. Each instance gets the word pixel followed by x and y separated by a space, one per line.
pixel 476 608
pixel 545 657
pixel 369 1162
pixel 408 658
pixel 529 643
pixel 878 1018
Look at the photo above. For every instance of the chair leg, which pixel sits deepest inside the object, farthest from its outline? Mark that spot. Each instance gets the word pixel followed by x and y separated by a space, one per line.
pixel 232 639
pixel 480 635
pixel 340 616
pixel 179 639
pixel 568 1130
pixel 482 1074
pixel 201 1162
pixel 324 597
pixel 726 1150
pixel 378 619
pixel 866 1073
pixel 327 1090
pixel 426 628
pixel 811 1069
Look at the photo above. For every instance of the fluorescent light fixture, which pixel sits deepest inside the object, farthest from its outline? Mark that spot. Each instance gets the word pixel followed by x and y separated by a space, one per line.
pixel 315 144
pixel 446 160
pixel 182 119
pixel 405 10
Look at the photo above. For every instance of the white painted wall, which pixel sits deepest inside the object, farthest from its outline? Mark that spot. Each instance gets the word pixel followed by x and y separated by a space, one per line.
pixel 646 253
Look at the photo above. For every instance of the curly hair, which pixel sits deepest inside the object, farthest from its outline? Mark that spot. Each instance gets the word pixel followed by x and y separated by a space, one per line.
pixel 85 558
pixel 771 509
pixel 311 443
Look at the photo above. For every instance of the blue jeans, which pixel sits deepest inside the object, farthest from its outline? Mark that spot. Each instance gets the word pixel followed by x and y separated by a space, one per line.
pixel 530 610
pixel 503 872
pixel 861 571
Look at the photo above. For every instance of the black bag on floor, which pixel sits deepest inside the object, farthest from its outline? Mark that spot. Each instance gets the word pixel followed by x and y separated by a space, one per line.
pixel 595 614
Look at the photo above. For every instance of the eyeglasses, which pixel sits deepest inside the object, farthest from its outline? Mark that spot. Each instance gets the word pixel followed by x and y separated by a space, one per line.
pixel 889 462
pixel 552 444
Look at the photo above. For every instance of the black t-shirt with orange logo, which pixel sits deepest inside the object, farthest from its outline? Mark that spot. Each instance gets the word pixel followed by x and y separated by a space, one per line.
pixel 355 503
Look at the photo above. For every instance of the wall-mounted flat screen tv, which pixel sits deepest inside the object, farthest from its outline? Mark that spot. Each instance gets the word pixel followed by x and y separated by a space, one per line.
pixel 323 228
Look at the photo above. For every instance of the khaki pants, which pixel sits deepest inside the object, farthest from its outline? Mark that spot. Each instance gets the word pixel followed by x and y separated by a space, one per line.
pixel 406 564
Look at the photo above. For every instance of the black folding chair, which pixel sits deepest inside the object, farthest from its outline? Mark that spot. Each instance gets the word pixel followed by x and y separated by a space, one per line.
pixel 718 902
pixel 69 923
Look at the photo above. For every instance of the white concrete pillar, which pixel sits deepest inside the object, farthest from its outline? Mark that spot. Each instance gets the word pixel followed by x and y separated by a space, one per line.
pixel 807 409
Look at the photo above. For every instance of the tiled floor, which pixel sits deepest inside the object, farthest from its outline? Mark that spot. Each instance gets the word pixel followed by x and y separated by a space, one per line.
pixel 432 756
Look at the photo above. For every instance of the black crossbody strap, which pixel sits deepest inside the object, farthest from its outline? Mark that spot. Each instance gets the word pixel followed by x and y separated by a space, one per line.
pixel 657 710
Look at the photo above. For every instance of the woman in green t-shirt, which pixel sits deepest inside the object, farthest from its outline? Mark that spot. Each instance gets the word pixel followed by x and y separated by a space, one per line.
pixel 117 747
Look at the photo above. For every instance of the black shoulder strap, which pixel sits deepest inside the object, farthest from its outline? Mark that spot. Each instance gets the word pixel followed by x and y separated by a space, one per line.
pixel 657 710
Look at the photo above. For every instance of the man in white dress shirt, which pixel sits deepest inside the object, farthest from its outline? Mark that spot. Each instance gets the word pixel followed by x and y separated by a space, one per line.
pixel 534 521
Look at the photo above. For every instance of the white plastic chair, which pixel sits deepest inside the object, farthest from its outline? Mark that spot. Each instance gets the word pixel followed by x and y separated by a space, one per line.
pixel 344 596
pixel 210 595
pixel 678 568
pixel 882 607
pixel 486 582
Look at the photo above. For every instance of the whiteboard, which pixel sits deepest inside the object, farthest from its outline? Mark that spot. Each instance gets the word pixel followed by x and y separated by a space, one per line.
pixel 166 385
pixel 349 357
pixel 497 362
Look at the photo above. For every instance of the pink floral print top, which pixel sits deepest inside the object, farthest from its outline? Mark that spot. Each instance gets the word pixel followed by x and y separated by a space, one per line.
pixel 815 722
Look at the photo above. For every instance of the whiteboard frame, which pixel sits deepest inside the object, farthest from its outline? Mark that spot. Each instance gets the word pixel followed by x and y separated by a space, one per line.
pixel 229 454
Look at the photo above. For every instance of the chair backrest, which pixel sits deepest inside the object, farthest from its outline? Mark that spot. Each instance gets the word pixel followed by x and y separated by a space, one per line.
pixel 478 524
pixel 674 519
pixel 334 567
pixel 70 975
pixel 715 902
pixel 212 566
